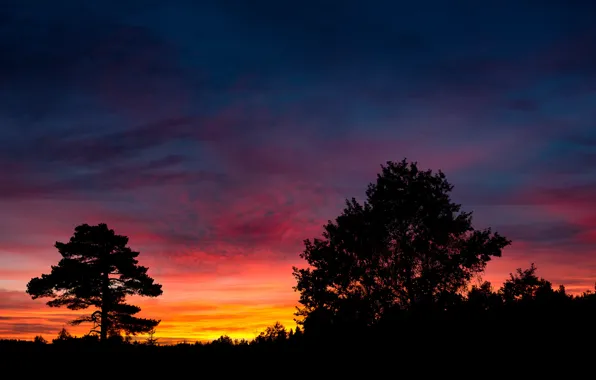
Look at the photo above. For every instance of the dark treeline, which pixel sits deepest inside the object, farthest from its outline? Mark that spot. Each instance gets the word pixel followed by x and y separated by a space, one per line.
pixel 524 308
pixel 399 272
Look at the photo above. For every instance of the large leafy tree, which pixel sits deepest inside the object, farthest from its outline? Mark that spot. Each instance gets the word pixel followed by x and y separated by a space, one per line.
pixel 406 247
pixel 98 270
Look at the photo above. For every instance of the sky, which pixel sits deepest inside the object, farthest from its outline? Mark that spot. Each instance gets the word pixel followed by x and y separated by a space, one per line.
pixel 218 135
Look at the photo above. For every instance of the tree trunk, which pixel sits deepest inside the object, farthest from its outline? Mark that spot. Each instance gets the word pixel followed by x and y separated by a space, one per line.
pixel 105 307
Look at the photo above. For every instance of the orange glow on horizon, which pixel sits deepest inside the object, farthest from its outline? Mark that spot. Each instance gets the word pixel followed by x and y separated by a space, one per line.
pixel 203 307
pixel 194 307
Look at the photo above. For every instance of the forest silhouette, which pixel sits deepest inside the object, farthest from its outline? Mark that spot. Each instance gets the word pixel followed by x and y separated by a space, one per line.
pixel 400 271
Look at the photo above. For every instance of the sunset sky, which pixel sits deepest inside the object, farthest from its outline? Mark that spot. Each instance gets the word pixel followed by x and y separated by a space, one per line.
pixel 219 136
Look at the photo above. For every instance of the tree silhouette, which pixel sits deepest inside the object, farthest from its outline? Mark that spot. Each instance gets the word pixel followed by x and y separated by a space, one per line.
pixel 98 270
pixel 63 336
pixel 223 340
pixel 482 298
pixel 151 340
pixel 407 247
pixel 275 333
pixel 525 285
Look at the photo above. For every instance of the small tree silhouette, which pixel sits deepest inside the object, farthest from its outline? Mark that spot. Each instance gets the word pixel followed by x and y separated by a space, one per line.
pixel 275 333
pixel 98 270
pixel 525 285
pixel 151 341
pixel 63 336
pixel 223 340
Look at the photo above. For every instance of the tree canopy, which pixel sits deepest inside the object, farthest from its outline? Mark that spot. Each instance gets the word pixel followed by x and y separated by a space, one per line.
pixel 408 246
pixel 98 270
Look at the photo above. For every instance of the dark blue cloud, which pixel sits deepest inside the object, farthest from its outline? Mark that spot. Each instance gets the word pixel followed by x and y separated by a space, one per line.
pixel 212 115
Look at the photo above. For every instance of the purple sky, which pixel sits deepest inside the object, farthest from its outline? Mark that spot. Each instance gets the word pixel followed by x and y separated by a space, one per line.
pixel 219 136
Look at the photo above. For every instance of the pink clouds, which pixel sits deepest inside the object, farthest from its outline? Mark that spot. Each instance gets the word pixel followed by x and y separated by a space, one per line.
pixel 558 237
pixel 573 203
pixel 231 257
pixel 574 269
pixel 356 157
pixel 230 242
